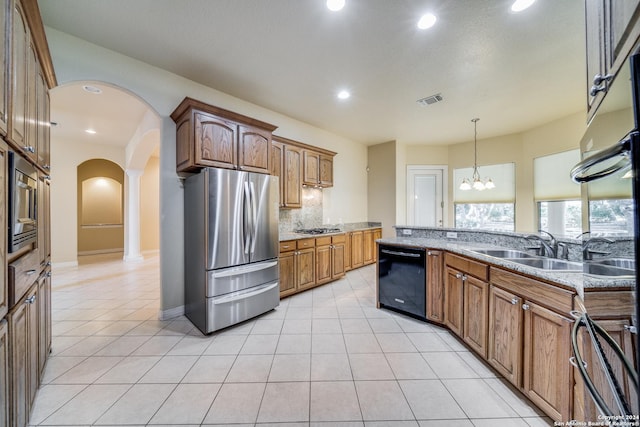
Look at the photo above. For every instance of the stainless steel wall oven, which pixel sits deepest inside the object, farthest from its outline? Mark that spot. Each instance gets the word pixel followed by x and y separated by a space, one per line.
pixel 22 210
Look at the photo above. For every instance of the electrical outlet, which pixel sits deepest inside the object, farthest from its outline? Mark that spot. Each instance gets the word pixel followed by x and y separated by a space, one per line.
pixel 452 235
pixel 406 232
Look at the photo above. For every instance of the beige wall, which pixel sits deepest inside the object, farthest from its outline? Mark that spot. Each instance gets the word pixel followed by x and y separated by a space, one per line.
pixel 521 148
pixel 106 238
pixel 149 206
pixel 382 182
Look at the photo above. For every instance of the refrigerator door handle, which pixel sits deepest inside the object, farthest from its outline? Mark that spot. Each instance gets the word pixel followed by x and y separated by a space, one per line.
pixel 247 227
pixel 254 217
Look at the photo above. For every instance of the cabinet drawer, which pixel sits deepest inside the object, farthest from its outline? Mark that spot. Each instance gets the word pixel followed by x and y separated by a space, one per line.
pixel 466 265
pixel 23 273
pixel 306 243
pixel 323 241
pixel 339 238
pixel 287 246
pixel 543 293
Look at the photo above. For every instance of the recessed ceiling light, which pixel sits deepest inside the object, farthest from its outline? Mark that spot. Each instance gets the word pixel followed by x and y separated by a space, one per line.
pixel 91 131
pixel 335 5
pixel 344 94
pixel 427 21
pixel 92 89
pixel 520 5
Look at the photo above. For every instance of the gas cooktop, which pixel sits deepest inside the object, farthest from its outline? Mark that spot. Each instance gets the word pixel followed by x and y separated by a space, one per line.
pixel 319 230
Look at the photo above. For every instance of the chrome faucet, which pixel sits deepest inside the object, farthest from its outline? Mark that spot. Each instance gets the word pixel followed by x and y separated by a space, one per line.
pixel 587 253
pixel 548 249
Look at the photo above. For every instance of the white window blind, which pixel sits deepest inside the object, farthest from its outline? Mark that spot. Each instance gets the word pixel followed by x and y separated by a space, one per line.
pixel 502 175
pixel 551 180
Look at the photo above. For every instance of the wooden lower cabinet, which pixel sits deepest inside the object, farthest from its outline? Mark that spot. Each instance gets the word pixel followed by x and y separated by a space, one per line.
pixel 4 373
pixel 505 334
pixel 357 248
pixel 618 329
pixel 323 259
pixel 44 316
pixel 454 300
pixel 297 266
pixel 338 250
pixel 476 299
pixel 23 358
pixel 547 374
pixel 369 247
pixel 435 286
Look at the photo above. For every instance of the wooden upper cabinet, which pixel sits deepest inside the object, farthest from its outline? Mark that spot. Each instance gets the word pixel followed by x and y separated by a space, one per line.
pixel 215 141
pixel 254 149
pixel 20 47
pixel 292 177
pixel 318 168
pixel 4 72
pixel 208 136
pixel 612 32
pixel 43 149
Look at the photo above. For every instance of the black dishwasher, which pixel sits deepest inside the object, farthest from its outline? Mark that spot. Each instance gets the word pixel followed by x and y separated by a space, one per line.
pixel 402 279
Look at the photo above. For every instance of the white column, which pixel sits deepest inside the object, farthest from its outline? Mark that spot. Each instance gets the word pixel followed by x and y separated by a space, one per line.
pixel 132 219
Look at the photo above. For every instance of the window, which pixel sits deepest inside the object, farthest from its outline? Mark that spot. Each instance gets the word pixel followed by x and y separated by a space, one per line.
pixel 488 209
pixel 557 196
pixel 612 217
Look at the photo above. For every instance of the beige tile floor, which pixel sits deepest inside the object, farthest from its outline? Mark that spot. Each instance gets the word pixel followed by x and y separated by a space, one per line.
pixel 326 357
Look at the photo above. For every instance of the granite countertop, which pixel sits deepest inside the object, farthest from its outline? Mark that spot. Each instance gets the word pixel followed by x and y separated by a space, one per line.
pixel 574 280
pixel 344 228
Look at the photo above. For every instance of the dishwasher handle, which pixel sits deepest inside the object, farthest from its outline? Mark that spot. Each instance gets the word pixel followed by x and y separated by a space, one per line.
pixel 398 253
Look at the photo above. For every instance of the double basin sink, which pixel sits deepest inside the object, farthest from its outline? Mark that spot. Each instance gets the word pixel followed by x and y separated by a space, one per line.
pixel 608 267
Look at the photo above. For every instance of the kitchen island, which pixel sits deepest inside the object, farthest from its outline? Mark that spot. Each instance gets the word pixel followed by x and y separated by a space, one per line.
pixel 517 317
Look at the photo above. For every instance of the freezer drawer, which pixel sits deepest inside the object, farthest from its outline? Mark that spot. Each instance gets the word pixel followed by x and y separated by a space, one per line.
pixel 233 279
pixel 229 309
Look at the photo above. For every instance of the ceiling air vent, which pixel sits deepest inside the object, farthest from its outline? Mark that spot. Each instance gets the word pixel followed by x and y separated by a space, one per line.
pixel 430 99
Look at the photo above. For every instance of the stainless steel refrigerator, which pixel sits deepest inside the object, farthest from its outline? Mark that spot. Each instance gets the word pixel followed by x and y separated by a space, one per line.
pixel 231 247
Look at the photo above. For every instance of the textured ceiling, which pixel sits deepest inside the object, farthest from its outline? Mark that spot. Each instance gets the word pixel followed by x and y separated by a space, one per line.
pixel 514 71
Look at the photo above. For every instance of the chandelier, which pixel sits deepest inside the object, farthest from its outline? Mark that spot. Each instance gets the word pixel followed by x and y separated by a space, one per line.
pixel 476 182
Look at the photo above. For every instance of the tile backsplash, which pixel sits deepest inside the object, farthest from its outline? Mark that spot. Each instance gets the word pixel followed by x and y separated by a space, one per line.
pixel 309 216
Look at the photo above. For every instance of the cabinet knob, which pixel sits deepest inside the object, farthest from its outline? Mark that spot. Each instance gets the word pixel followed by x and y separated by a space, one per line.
pixel 30 272
pixel 514 301
pixel 29 148
pixel 631 329
pixel 30 300
pixel 525 306
pixel 458 276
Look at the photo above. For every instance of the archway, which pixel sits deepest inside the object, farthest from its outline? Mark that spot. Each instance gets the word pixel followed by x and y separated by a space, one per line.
pixel 100 210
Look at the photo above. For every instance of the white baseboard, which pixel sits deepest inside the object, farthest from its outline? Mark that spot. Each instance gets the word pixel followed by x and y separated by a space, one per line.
pixel 171 313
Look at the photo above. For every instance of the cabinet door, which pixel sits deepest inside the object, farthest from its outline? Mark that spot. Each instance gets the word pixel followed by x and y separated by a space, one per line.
pixel 44 319
pixel 254 149
pixel 33 299
pixel 337 260
pixel 476 311
pixel 547 373
pixel 435 286
pixel 18 320
pixel 306 268
pixel 369 248
pixel 287 273
pixel 453 300
pixel 505 334
pixel 292 178
pixel 4 373
pixel 623 30
pixel 19 38
pixel 43 127
pixel 215 141
pixel 311 174
pixel 323 264
pixel 347 252
pixel 377 234
pixel 357 246
pixel 277 161
pixel 326 170
pixel 31 141
pixel 617 330
pixel 4 290
pixel 5 9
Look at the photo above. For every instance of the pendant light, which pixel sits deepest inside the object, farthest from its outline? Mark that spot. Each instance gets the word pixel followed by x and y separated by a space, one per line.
pixel 476 183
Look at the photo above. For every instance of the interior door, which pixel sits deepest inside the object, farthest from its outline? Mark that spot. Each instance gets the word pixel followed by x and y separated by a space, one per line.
pixel 426 195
